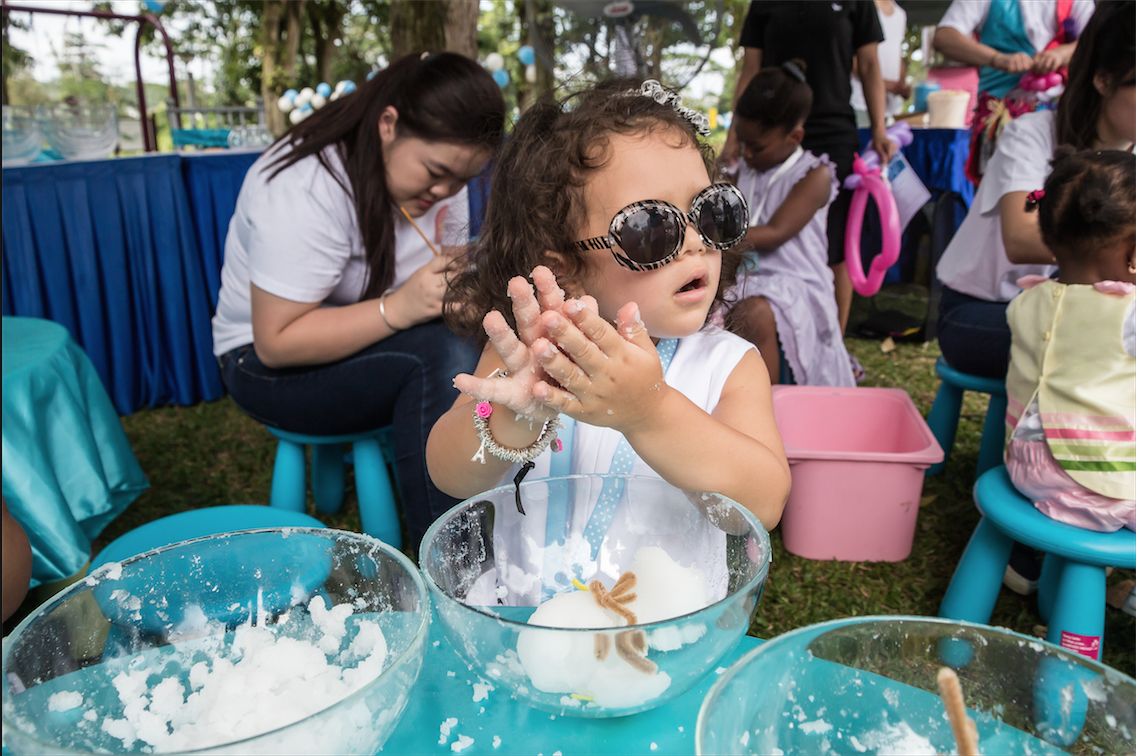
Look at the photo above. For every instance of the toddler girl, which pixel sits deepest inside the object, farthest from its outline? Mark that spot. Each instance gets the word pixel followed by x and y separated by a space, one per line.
pixel 785 292
pixel 609 195
pixel 1072 379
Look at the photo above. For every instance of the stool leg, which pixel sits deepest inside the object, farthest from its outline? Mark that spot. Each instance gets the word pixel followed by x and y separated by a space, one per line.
pixel 377 508
pixel 978 577
pixel 943 421
pixel 993 434
pixel 1077 621
pixel 1047 585
pixel 288 490
pixel 327 476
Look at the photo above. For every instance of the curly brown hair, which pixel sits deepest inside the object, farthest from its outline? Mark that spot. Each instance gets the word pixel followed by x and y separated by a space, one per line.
pixel 536 199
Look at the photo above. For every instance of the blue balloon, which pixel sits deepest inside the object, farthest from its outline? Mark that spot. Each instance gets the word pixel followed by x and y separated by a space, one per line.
pixel 154 6
pixel 291 94
pixel 526 55
pixel 349 86
pixel 323 89
pixel 501 76
pixel 370 75
pixel 305 107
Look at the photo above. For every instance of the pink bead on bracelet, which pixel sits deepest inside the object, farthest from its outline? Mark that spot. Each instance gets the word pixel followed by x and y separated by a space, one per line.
pixel 484 409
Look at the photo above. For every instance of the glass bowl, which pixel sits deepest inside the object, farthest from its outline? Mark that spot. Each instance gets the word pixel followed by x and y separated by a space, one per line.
pixel 23 136
pixel 278 640
pixel 700 562
pixel 867 685
pixel 82 132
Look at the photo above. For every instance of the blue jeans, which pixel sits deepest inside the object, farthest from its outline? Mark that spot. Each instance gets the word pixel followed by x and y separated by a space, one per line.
pixel 405 380
pixel 974 335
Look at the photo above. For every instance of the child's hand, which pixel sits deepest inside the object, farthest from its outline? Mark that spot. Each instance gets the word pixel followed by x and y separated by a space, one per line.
pixel 515 390
pixel 606 376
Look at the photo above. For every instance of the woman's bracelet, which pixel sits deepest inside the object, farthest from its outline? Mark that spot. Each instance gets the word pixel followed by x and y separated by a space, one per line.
pixel 481 413
pixel 383 310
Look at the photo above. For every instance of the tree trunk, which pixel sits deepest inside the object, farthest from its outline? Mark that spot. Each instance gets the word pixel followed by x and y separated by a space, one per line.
pixel 327 26
pixel 278 59
pixel 417 26
pixel 528 93
pixel 461 27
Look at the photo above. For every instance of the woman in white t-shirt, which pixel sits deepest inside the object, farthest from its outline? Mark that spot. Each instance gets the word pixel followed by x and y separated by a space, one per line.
pixel 328 320
pixel 999 242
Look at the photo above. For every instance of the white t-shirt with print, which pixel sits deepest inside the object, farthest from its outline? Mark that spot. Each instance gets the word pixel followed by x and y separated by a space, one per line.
pixel 297 237
pixel 1039 17
pixel 975 262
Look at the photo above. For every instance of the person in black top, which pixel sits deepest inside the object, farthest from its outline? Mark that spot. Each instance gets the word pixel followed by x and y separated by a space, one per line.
pixel 826 35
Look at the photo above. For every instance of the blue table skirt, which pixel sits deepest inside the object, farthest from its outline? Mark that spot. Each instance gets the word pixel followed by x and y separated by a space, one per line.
pixel 68 467
pixel 938 157
pixel 445 689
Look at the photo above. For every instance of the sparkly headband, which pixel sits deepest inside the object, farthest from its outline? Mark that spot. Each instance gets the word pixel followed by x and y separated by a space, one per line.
pixel 655 91
pixel 794 70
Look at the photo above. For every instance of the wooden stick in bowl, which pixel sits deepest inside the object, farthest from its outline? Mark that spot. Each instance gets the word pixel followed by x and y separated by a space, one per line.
pixel 966 734
pixel 416 228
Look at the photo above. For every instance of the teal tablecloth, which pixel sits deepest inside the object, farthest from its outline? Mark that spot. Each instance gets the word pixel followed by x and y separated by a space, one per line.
pixel 68 469
pixel 445 690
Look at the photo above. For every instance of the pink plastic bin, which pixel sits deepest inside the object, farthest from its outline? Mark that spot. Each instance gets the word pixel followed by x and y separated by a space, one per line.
pixel 857 457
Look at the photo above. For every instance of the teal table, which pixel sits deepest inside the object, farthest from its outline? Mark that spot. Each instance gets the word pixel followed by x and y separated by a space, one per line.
pixel 68 469
pixel 445 690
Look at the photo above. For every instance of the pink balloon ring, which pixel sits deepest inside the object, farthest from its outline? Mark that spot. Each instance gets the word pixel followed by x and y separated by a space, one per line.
pixel 871 183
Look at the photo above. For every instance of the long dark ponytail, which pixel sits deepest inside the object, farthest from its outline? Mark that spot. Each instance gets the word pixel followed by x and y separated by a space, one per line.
pixel 443 97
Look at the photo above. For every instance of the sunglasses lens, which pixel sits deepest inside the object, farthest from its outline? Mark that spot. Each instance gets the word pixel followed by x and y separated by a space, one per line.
pixel 722 219
pixel 649 235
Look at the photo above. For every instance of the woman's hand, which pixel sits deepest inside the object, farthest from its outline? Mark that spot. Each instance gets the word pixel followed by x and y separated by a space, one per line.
pixel 883 146
pixel 419 299
pixel 1048 61
pixel 1016 63
pixel 604 375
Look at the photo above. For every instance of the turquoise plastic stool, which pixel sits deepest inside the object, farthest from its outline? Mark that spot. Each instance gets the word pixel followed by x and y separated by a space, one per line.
pixel 377 508
pixel 195 523
pixel 944 416
pixel 1071 590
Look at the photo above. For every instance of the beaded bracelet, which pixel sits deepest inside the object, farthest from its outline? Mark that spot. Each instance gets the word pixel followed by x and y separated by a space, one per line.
pixel 481 413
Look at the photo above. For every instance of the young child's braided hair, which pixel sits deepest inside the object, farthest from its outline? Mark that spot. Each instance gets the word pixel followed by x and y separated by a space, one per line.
pixel 1089 201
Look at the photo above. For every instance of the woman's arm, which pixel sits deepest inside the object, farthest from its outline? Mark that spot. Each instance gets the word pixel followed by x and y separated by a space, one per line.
pixel 287 333
pixel 959 47
pixel 1046 61
pixel 1021 235
pixel 805 200
pixel 874 95
pixel 17 563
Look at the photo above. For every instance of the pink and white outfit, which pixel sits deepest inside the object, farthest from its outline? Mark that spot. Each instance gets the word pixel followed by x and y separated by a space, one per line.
pixel 1071 417
pixel 795 278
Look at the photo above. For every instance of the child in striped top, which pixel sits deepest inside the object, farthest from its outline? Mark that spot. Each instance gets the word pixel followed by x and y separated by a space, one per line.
pixel 1072 378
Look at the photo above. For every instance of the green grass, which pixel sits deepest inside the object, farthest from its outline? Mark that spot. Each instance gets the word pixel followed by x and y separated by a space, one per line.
pixel 212 454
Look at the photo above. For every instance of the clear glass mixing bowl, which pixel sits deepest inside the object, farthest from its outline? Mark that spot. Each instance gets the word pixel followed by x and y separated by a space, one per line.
pixel 489 567
pixel 868 685
pixel 81 132
pixel 23 136
pixel 96 669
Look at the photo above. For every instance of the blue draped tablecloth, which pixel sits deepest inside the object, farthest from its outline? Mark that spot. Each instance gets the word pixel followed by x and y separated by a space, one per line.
pixel 938 157
pixel 68 468
pixel 126 254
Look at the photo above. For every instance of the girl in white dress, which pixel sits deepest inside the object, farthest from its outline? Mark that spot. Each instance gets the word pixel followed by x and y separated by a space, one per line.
pixel 785 295
pixel 609 195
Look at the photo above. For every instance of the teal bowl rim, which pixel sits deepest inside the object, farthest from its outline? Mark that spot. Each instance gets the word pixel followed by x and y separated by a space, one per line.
pixel 749 585
pixel 420 634
pixel 785 638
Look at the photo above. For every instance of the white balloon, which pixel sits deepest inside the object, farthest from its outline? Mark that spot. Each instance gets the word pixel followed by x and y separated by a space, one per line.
pixel 285 104
pixel 530 74
pixel 296 116
pixel 334 96
pixel 339 87
pixel 494 61
pixel 318 101
pixel 307 92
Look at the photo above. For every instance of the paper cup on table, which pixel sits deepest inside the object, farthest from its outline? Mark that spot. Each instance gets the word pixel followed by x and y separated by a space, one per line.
pixel 946 109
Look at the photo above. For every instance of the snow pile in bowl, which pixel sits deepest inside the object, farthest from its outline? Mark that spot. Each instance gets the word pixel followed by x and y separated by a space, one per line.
pixel 280 640
pixel 590 610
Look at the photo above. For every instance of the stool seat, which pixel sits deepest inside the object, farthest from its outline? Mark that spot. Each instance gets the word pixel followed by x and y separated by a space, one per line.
pixel 1017 517
pixel 1071 589
pixel 944 415
pixel 196 523
pixel 378 510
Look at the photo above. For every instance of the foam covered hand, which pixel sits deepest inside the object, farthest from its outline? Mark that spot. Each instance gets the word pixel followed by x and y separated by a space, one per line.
pixel 524 371
pixel 604 375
